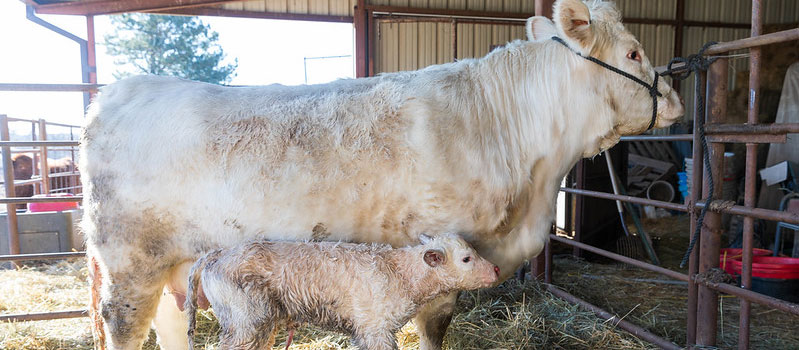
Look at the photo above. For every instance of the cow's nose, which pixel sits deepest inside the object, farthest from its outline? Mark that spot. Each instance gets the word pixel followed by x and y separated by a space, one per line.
pixel 682 101
pixel 496 269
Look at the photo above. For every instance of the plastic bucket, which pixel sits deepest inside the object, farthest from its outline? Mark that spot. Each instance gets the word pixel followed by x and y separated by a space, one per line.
pixel 727 255
pixel 774 276
pixel 56 206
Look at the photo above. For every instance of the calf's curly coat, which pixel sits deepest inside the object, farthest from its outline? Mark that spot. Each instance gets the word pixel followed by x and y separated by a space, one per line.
pixel 367 290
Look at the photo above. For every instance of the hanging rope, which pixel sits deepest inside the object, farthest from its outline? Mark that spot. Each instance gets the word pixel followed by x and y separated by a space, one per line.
pixel 695 63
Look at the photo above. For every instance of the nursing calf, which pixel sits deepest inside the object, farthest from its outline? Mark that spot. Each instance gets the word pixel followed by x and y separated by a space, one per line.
pixel 367 290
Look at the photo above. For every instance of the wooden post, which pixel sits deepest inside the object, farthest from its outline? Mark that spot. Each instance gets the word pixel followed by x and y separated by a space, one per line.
pixel 90 53
pixel 361 40
pixel 544 8
pixel 44 170
pixel 8 175
pixel 539 269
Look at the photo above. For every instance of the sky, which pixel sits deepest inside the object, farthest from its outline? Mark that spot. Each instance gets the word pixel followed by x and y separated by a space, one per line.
pixel 268 51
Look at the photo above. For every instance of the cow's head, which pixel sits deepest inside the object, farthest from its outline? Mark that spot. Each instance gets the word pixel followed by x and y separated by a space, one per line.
pixel 594 28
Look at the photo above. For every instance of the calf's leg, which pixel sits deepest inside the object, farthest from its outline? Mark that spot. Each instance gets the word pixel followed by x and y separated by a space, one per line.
pixel 433 319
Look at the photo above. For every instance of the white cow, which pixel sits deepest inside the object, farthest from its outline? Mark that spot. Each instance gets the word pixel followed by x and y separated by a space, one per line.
pixel 175 168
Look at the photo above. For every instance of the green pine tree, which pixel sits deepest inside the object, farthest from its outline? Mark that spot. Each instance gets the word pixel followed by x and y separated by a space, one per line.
pixel 169 45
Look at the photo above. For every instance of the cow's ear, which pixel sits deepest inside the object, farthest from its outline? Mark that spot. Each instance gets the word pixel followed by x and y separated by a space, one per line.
pixel 540 28
pixel 573 21
pixel 434 257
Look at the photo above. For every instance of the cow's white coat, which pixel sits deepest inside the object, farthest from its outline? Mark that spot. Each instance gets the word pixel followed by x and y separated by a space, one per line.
pixel 175 168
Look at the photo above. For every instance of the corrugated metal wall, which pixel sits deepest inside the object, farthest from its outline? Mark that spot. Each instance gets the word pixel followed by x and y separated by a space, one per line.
pixel 405 44
pixel 313 7
pixel 516 6
pixel 737 11
pixel 413 45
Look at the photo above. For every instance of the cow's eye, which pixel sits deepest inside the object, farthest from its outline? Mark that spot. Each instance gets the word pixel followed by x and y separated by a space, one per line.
pixel 634 55
pixel 467 259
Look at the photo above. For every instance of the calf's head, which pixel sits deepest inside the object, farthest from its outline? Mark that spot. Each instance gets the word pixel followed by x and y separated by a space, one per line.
pixel 605 98
pixel 457 263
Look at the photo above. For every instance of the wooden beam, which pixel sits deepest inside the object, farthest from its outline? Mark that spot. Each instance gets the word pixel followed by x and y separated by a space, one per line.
pixel 544 8
pixel 420 12
pixel 445 12
pixel 678 37
pixel 360 22
pixel 212 11
pixel 104 7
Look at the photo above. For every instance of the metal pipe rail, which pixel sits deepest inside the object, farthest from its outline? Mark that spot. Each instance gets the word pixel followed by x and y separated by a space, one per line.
pixel 41 316
pixel 43 256
pixel 21 200
pixel 644 265
pixel 50 87
pixel 12 119
pixel 754 41
pixel 721 287
pixel 758 213
pixel 626 325
pixel 745 43
pixel 38 143
pixel 749 295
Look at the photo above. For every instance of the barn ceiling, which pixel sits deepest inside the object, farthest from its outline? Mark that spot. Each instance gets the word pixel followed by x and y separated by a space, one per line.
pixel 104 7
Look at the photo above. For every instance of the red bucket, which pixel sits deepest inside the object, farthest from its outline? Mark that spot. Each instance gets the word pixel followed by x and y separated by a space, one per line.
pixel 736 254
pixel 769 267
pixel 56 206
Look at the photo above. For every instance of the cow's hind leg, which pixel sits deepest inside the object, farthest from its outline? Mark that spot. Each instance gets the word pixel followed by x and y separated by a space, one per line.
pixel 433 319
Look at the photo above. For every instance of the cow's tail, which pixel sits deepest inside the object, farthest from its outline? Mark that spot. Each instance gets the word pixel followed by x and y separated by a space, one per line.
pixel 192 293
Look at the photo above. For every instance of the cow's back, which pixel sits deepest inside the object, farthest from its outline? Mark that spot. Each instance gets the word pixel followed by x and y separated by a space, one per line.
pixel 215 165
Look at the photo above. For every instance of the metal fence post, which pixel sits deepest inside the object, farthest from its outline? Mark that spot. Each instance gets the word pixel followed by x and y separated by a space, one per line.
pixel 696 185
pixel 707 302
pixel 8 180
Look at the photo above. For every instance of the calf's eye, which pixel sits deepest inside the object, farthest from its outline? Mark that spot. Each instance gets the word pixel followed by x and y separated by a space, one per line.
pixel 467 259
pixel 634 55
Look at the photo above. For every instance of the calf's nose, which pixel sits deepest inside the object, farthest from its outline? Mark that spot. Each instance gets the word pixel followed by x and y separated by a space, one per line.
pixel 496 270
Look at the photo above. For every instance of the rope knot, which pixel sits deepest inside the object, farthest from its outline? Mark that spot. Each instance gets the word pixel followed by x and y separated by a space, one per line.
pixel 691 63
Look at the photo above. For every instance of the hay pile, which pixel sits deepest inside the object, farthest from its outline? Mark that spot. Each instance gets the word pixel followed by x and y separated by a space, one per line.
pixel 515 315
pixel 658 304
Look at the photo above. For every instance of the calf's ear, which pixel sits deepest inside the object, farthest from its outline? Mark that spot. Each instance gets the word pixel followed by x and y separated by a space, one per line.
pixel 434 257
pixel 540 28
pixel 424 239
pixel 573 22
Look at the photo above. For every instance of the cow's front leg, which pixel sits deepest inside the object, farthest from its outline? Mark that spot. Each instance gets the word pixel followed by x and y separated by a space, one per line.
pixel 433 319
pixel 128 303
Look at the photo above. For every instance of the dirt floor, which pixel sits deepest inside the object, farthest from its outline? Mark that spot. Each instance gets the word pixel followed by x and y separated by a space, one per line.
pixel 515 315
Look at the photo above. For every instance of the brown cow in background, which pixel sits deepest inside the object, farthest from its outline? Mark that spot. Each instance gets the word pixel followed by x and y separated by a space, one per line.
pixel 23 170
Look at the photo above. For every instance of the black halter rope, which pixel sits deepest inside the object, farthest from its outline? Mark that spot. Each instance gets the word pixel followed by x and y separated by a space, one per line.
pixel 653 89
